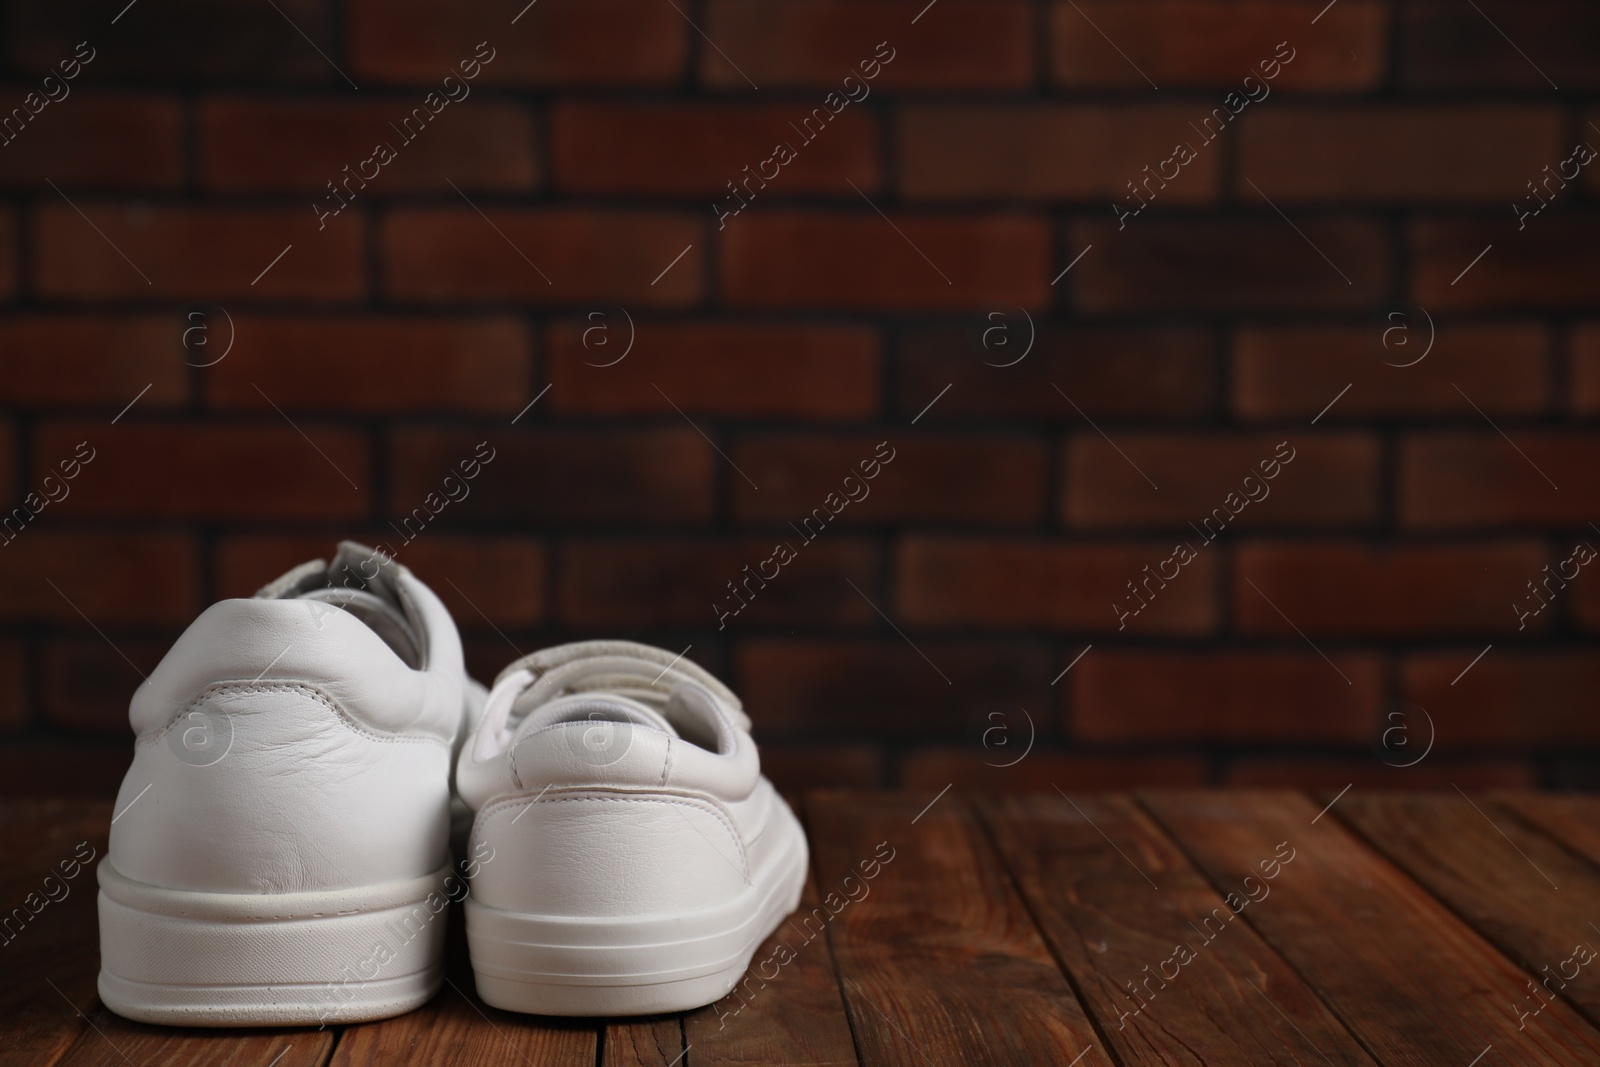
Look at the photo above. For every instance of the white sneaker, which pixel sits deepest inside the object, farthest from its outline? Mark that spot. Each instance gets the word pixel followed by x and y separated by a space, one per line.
pixel 279 850
pixel 631 857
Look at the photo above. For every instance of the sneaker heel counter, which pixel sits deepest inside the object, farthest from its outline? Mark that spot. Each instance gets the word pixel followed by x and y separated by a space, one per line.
pixel 584 853
pixel 268 787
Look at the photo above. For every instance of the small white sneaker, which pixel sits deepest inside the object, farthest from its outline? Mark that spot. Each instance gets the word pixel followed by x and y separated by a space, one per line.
pixel 631 856
pixel 279 853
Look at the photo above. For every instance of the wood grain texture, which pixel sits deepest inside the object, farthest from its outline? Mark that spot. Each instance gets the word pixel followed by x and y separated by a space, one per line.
pixel 51 955
pixel 939 960
pixel 1573 820
pixel 1403 931
pixel 1524 892
pixel 457 1028
pixel 118 1043
pixel 651 1042
pixel 1413 981
pixel 787 1010
pixel 1116 920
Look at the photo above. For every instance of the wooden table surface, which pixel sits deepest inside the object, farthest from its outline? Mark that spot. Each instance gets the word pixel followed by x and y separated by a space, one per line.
pixel 1164 928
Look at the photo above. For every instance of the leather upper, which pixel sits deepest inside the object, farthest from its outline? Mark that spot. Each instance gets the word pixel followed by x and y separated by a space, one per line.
pixel 613 779
pixel 285 746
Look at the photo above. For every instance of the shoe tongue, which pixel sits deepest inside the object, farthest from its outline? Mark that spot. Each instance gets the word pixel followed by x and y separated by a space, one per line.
pixel 591 707
pixel 361 581
pixel 381 616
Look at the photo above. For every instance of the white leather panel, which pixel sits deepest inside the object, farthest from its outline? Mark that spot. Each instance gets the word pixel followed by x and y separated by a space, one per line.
pixel 608 854
pixel 301 797
pixel 302 641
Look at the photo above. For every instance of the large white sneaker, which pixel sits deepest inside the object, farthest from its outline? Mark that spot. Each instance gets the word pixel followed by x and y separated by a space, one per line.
pixel 634 858
pixel 279 852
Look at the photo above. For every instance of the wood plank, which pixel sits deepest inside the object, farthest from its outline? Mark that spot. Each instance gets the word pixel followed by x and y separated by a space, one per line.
pixel 1117 899
pixel 57 957
pixel 656 1041
pixel 1415 983
pixel 116 1042
pixel 456 1027
pixel 1572 819
pixel 788 1009
pixel 52 956
pixel 1526 894
pixel 939 959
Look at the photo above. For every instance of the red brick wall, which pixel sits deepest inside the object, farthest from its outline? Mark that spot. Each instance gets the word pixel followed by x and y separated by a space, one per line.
pixel 884 286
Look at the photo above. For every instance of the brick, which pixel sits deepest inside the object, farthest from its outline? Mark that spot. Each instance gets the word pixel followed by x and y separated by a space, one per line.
pixel 252 144
pixel 695 150
pixel 13 685
pixel 253 41
pixel 1584 608
pixel 57 769
pixel 487 652
pixel 679 582
pixel 793 768
pixel 1366 772
pixel 8 470
pixel 1476 480
pixel 243 564
pixel 1215 265
pixel 1244 697
pixel 1063 152
pixel 501 578
pixel 131 141
pixel 86 684
pixel 722 368
pixel 101 361
pixel 971 768
pixel 269 470
pixel 1420 154
pixel 1450 46
pixel 8 254
pixel 1052 586
pixel 1330 479
pixel 1403 591
pixel 194 253
pixel 984 480
pixel 456 255
pixel 485 582
pixel 638 477
pixel 962 44
pixel 858 261
pixel 112 579
pixel 371 364
pixel 1584 372
pixel 1290 371
pixel 1150 374
pixel 1346 50
pixel 1591 175
pixel 602 42
pixel 1546 266
pixel 1540 699
pixel 884 688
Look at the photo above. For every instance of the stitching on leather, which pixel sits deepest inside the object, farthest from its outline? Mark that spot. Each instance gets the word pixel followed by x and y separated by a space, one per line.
pixel 317 695
pixel 511 758
pixel 623 798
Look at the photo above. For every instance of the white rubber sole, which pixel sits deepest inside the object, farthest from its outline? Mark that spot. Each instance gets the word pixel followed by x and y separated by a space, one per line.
pixel 294 959
pixel 647 965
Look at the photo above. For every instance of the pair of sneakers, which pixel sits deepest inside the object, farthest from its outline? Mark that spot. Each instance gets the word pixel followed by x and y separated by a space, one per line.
pixel 308 759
